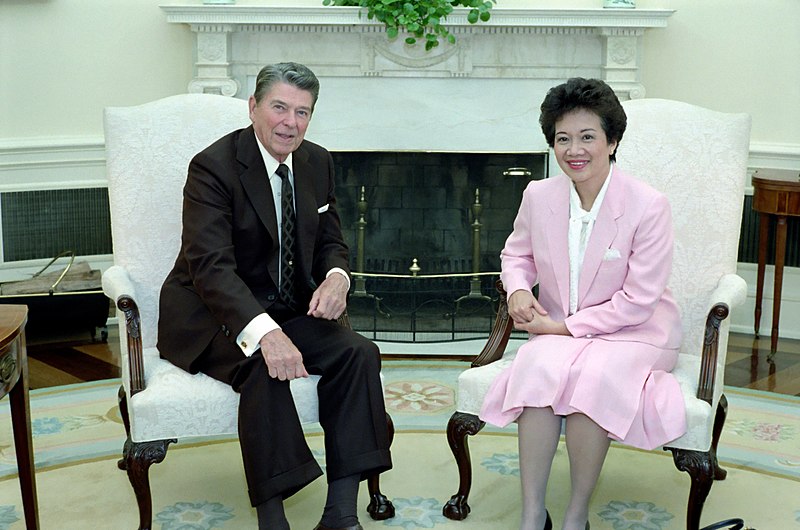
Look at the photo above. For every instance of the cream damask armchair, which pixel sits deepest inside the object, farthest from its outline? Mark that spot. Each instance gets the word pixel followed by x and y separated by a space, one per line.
pixel 698 158
pixel 148 149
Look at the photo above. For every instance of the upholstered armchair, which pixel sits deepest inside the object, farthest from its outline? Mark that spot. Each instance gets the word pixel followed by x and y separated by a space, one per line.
pixel 698 158
pixel 148 148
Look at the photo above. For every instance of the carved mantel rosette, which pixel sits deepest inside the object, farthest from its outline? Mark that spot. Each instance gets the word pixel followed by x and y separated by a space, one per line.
pixel 232 41
pixel 212 64
pixel 621 60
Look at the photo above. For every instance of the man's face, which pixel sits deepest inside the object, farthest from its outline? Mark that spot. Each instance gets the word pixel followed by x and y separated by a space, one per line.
pixel 281 118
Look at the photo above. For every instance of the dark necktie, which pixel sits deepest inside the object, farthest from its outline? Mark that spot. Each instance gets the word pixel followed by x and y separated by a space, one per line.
pixel 287 238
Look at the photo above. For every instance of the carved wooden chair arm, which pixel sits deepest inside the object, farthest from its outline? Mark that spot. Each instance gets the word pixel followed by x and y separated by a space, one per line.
pixel 344 320
pixel 133 329
pixel 708 361
pixel 731 291
pixel 501 331
pixel 118 286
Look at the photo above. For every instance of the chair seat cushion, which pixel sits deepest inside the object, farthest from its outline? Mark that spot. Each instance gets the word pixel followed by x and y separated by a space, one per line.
pixel 699 414
pixel 177 404
pixel 473 384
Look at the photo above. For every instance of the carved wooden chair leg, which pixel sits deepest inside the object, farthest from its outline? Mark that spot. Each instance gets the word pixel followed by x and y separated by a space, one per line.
pixel 380 507
pixel 137 457
pixel 719 423
pixel 122 400
pixel 700 466
pixel 459 426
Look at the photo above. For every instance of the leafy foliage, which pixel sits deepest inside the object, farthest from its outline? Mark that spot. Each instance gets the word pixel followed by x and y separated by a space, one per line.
pixel 419 19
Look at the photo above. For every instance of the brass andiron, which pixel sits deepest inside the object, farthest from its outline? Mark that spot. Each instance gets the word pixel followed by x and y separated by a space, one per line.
pixel 475 281
pixel 360 286
pixel 361 228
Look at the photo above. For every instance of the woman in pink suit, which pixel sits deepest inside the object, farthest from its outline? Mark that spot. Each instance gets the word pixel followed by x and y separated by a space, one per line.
pixel 605 330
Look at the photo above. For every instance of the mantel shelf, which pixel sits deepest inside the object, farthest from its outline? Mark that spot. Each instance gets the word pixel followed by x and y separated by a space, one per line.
pixel 350 16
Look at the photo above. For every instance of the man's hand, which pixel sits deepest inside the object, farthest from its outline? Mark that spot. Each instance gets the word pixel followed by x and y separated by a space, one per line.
pixel 283 359
pixel 330 299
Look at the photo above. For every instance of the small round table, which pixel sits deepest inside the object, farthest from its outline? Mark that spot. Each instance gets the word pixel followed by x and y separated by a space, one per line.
pixel 14 382
pixel 775 193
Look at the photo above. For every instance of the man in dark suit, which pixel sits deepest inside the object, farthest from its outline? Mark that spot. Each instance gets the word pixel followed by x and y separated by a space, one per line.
pixel 254 296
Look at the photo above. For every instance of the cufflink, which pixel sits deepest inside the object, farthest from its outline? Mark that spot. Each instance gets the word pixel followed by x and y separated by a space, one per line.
pixel 244 344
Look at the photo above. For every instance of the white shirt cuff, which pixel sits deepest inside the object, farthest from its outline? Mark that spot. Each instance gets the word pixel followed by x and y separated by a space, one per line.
pixel 342 272
pixel 250 337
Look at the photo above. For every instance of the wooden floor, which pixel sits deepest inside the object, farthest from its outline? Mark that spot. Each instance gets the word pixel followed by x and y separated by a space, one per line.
pixel 64 360
pixel 749 364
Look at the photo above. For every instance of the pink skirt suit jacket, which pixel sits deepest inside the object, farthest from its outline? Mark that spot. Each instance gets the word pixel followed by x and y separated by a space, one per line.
pixel 626 332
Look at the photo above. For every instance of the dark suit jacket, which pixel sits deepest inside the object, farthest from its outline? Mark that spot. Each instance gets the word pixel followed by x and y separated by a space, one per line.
pixel 226 271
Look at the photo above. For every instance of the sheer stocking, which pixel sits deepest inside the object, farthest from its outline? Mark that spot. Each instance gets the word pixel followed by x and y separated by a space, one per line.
pixel 587 446
pixel 539 430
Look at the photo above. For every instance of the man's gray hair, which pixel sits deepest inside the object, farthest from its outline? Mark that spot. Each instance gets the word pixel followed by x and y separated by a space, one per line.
pixel 294 74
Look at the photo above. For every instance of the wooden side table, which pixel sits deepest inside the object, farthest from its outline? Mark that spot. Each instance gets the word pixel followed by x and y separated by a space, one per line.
pixel 775 193
pixel 14 382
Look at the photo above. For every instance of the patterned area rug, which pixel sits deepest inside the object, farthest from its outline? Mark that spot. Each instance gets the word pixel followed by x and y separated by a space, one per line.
pixel 200 486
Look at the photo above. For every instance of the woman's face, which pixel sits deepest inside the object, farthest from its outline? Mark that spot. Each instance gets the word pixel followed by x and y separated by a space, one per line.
pixel 582 149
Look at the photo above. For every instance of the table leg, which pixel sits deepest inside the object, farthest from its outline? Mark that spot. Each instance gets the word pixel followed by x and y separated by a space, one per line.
pixel 763 240
pixel 23 442
pixel 780 251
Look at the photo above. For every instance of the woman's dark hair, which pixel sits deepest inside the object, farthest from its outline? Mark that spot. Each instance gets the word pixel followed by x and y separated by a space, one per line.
pixel 587 94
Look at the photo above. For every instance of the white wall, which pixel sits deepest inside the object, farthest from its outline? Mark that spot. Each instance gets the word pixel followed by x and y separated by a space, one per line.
pixel 731 56
pixel 63 61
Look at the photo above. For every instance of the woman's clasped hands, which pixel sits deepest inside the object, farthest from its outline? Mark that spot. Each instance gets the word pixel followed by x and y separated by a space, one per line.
pixel 529 315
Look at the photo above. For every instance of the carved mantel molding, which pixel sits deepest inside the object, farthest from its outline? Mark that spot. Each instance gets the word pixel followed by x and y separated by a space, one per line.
pixel 191 13
pixel 234 41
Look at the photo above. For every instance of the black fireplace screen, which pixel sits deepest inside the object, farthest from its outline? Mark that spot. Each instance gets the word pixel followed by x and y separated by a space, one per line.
pixel 427 308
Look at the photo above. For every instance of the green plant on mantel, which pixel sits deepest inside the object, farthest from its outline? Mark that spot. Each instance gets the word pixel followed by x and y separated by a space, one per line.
pixel 419 18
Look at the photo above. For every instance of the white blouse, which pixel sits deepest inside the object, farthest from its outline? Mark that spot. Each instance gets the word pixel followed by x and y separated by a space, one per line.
pixel 581 223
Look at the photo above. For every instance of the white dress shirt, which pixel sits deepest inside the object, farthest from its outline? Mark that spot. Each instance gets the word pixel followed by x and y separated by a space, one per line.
pixel 581 223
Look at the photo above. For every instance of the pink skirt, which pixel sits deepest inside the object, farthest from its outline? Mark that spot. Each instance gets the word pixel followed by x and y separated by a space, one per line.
pixel 624 387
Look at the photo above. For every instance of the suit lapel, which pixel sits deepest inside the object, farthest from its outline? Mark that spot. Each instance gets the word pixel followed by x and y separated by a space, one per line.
pixel 603 233
pixel 255 182
pixel 557 240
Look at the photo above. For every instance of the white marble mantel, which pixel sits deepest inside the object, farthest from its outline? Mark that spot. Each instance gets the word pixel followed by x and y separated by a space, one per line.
pixel 497 71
